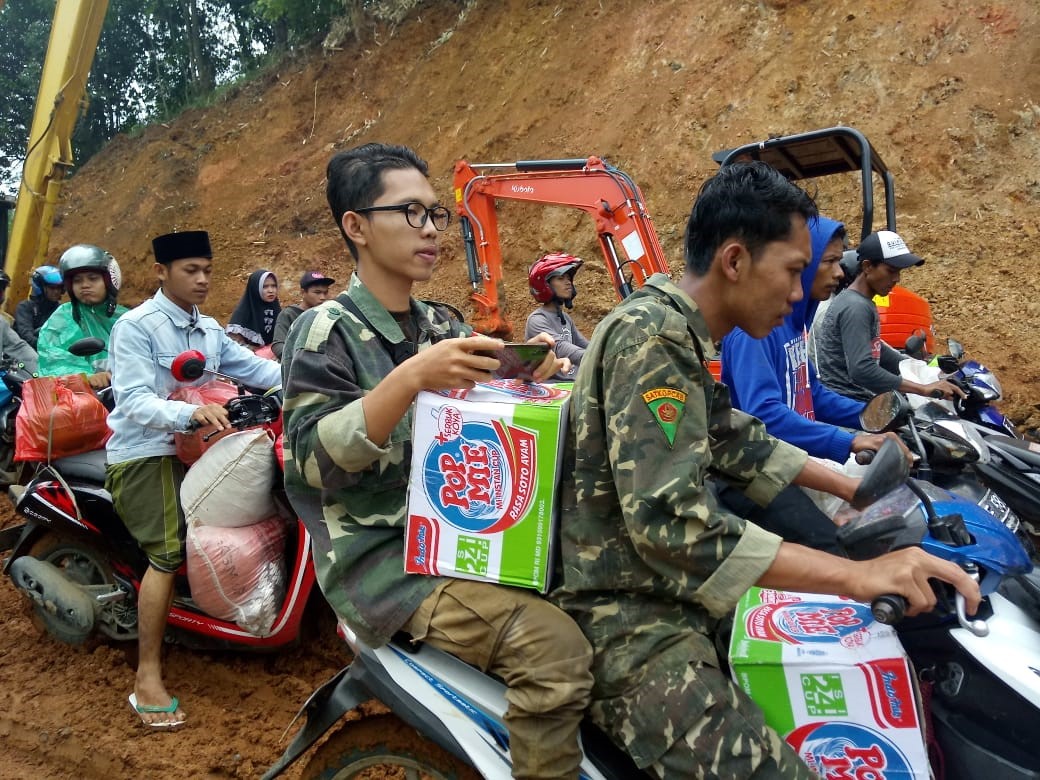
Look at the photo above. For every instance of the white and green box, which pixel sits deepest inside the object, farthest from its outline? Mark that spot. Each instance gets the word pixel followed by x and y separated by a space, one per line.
pixel 836 685
pixel 482 490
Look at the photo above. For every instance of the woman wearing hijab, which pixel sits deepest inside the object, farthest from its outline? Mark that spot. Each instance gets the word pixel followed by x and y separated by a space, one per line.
pixel 252 322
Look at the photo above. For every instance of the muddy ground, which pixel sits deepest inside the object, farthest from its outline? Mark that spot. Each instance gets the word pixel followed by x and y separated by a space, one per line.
pixel 946 91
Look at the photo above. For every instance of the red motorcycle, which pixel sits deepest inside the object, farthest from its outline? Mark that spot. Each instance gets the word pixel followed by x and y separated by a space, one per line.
pixel 80 568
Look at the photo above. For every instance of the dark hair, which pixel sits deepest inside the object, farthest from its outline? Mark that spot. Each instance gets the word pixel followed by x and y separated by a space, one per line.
pixel 355 178
pixel 748 201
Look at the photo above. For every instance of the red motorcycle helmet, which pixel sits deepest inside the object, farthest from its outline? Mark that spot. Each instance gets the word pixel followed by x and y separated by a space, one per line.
pixel 545 268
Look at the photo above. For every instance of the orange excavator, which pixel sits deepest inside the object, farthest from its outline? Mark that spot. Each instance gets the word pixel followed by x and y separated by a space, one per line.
pixel 626 233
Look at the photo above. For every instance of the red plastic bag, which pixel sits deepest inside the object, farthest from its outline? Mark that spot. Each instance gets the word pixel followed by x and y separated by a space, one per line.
pixel 59 416
pixel 190 446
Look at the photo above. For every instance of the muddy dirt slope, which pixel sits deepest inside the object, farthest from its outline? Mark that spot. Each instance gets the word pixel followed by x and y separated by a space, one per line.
pixel 945 90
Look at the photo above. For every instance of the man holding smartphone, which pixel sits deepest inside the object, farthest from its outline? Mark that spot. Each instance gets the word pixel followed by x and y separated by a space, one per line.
pixel 351 370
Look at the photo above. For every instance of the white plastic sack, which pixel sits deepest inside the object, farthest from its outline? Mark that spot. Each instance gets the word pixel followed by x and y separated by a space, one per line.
pixel 924 374
pixel 230 485
pixel 832 505
pixel 238 574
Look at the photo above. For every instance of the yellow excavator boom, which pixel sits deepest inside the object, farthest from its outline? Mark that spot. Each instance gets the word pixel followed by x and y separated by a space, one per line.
pixel 59 103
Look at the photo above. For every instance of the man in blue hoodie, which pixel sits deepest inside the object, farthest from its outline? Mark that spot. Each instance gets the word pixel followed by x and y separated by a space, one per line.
pixel 772 378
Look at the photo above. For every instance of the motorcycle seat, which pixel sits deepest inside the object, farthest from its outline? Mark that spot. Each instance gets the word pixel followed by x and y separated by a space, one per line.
pixel 1016 448
pixel 88 466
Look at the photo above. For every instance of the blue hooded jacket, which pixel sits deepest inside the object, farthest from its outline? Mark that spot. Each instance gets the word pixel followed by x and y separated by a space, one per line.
pixel 773 380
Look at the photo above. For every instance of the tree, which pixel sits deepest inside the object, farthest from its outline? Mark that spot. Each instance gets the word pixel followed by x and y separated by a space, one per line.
pixel 24 29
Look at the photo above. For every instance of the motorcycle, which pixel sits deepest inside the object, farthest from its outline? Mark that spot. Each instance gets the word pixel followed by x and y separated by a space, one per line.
pixel 981 387
pixel 14 375
pixel 447 717
pixel 998 472
pixel 81 569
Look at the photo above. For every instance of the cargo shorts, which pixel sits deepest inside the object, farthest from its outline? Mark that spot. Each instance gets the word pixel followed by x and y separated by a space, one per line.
pixel 146 495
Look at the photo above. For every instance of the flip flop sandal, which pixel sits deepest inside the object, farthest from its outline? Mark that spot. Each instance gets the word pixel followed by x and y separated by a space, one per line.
pixel 143 709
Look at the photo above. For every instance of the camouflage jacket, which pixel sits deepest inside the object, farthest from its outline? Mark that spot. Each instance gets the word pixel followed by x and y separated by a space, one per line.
pixel 650 561
pixel 349 491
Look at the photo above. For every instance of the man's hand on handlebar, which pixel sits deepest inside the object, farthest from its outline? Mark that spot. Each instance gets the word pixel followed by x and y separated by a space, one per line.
pixel 944 389
pixel 906 573
pixel 869 443
pixel 99 380
pixel 211 414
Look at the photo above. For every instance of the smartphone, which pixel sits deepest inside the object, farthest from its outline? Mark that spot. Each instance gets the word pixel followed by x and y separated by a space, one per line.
pixel 518 361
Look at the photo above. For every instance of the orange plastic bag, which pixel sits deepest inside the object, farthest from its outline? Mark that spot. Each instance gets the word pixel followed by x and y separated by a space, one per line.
pixel 59 416
pixel 190 446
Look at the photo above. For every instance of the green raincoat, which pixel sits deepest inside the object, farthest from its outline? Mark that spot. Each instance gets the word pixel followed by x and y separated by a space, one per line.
pixel 61 330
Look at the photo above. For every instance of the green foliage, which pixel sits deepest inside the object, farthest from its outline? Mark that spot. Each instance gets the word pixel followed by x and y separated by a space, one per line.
pixel 155 57
pixel 24 29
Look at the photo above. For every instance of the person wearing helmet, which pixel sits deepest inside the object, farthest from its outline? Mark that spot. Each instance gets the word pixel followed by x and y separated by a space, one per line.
pixel 11 344
pixel 44 297
pixel 551 279
pixel 91 277
pixel 5 283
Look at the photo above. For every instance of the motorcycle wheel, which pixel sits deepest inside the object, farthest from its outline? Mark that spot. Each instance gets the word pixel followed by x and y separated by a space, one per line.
pixel 383 746
pixel 79 562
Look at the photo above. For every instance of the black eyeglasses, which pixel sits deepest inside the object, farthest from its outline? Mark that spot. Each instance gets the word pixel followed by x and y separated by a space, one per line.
pixel 416 214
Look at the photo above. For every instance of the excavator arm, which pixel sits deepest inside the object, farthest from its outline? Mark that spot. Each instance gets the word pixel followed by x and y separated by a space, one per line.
pixel 63 82
pixel 623 226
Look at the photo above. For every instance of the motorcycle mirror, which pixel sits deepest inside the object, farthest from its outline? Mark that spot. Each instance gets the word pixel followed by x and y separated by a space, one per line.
pixel 188 366
pixel 886 472
pixel 87 347
pixel 884 412
pixel 850 265
pixel 955 348
pixel 915 345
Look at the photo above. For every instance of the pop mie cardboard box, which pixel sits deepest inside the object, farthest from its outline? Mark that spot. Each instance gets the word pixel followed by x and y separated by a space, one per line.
pixel 834 683
pixel 482 490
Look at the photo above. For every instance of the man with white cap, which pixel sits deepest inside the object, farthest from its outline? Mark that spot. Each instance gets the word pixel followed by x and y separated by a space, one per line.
pixel 850 357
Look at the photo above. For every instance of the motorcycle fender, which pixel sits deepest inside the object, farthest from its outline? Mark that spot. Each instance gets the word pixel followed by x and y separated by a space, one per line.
pixel 330 702
pixel 62 601
pixel 1011 651
pixel 11 539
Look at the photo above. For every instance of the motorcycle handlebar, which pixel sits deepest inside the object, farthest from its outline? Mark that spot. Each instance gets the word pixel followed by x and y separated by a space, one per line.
pixel 245 411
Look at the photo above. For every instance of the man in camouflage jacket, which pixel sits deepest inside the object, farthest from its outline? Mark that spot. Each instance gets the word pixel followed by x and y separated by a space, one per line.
pixel 651 564
pixel 351 370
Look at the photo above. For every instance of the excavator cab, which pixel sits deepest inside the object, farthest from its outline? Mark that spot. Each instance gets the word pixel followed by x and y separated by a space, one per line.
pixel 623 226
pixel 837 150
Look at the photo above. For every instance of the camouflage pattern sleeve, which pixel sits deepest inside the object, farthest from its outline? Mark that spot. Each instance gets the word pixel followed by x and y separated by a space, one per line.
pixel 650 564
pixel 324 420
pixel 350 492
pixel 746 454
pixel 656 407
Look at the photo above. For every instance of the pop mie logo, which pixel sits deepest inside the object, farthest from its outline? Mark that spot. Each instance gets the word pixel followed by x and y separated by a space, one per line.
pixel 482 479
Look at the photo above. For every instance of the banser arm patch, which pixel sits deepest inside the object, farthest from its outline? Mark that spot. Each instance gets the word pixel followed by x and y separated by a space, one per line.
pixel 666 404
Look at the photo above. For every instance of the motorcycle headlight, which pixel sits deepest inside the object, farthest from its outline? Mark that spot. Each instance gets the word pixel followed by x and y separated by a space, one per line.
pixel 989 384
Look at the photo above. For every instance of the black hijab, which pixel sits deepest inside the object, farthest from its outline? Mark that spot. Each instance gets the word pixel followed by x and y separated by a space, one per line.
pixel 254 318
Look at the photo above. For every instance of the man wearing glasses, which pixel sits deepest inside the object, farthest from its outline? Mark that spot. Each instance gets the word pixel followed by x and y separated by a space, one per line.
pixel 351 369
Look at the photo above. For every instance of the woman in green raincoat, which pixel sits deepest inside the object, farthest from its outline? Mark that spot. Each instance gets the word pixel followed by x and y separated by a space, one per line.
pixel 92 279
